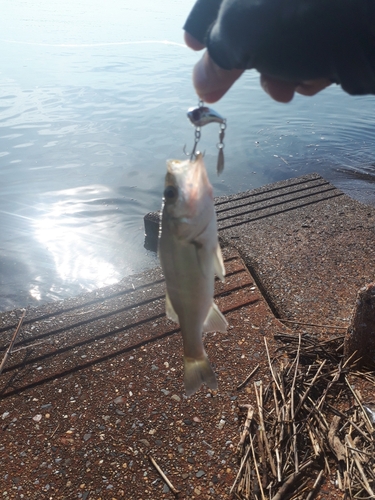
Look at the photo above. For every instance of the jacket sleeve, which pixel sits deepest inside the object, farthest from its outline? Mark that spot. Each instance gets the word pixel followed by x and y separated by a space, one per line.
pixel 293 40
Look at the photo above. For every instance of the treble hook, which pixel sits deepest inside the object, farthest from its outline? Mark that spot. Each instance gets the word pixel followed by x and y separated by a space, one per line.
pixel 197 138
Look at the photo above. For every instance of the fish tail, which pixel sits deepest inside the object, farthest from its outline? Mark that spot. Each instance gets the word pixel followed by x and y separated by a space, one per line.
pixel 197 372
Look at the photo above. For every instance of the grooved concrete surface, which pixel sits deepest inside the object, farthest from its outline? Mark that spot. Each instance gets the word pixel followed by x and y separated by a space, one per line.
pixel 309 246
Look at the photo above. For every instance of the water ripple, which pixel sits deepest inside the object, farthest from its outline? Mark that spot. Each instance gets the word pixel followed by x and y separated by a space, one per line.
pixel 91 108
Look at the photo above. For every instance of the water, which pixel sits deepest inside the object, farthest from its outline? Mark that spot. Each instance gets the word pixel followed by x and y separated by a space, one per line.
pixel 93 98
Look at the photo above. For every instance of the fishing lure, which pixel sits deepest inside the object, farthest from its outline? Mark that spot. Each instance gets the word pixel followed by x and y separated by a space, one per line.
pixel 202 115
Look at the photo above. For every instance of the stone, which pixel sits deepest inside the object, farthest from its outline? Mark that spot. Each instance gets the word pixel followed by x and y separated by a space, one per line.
pixel 145 442
pixel 221 424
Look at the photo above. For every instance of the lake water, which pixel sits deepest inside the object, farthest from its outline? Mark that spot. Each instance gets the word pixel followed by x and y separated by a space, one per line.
pixel 93 99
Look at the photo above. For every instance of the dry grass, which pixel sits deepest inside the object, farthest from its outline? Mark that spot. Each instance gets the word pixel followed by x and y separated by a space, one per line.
pixel 308 426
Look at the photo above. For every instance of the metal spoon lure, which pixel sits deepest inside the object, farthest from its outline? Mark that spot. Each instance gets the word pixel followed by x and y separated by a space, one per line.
pixel 202 115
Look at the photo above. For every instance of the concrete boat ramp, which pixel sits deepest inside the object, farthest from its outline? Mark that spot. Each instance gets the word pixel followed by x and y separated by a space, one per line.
pixel 93 387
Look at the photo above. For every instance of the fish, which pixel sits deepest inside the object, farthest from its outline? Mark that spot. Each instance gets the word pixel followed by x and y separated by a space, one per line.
pixel 190 256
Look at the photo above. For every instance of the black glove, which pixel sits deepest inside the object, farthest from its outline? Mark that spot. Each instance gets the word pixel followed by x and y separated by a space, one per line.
pixel 291 40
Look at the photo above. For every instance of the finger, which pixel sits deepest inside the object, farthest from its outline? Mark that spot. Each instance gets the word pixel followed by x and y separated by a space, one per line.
pixel 279 90
pixel 312 87
pixel 210 81
pixel 192 42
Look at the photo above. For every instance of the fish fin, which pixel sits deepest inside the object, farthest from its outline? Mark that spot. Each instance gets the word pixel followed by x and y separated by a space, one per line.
pixel 215 321
pixel 200 252
pixel 219 263
pixel 197 372
pixel 169 311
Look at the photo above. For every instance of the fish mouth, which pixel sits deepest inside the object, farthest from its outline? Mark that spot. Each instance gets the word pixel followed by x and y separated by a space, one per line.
pixel 174 166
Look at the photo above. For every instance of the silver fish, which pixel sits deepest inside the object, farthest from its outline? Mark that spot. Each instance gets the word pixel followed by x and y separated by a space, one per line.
pixel 190 256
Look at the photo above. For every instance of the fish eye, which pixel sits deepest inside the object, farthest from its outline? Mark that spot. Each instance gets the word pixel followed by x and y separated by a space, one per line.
pixel 170 193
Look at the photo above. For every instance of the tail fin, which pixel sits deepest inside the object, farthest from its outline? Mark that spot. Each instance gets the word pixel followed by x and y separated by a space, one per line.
pixel 198 371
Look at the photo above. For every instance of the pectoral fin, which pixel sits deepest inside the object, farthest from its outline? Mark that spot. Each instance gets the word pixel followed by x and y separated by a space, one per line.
pixel 219 263
pixel 201 254
pixel 169 311
pixel 215 321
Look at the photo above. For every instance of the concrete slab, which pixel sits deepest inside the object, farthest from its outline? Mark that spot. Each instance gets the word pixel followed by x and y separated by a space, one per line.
pixel 95 386
pixel 309 246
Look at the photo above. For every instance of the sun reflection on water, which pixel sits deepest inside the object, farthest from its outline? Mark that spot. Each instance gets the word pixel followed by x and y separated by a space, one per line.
pixel 80 254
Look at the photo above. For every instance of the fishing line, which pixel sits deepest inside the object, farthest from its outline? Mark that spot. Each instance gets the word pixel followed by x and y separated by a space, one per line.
pixel 88 45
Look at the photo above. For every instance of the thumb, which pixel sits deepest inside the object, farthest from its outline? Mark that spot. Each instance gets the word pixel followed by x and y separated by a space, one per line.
pixel 210 81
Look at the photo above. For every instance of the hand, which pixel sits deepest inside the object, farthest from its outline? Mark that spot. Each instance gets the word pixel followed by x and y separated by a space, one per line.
pixel 282 91
pixel 211 82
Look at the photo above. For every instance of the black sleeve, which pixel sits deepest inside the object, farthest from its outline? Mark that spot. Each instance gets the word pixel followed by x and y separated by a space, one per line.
pixel 293 40
pixel 203 14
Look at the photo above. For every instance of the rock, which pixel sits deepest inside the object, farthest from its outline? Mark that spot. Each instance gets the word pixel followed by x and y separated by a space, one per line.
pixel 145 442
pixel 200 473
pixel 360 335
pixel 176 398
pixel 221 424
